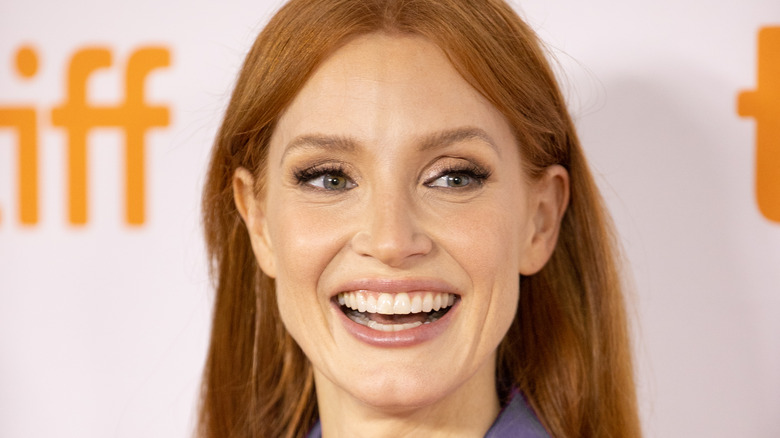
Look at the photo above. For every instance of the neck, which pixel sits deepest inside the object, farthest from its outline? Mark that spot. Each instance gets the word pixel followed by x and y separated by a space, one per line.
pixel 467 411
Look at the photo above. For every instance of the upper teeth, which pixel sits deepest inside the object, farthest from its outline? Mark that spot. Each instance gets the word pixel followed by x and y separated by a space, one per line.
pixel 399 303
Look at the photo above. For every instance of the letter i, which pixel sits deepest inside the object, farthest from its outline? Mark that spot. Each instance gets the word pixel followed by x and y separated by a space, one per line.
pixel 23 120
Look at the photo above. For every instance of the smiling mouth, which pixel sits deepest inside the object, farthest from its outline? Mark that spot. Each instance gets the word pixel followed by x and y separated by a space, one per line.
pixel 395 312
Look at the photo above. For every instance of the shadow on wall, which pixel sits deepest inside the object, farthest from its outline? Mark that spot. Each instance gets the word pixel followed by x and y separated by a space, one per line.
pixel 679 167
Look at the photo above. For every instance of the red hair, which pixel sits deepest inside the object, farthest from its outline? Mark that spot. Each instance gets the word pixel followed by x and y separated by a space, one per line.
pixel 568 348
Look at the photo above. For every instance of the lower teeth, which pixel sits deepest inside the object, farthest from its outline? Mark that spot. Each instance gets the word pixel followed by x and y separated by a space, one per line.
pixel 362 319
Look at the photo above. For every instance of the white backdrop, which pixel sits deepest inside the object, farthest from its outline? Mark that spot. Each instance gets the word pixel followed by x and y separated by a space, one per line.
pixel 104 327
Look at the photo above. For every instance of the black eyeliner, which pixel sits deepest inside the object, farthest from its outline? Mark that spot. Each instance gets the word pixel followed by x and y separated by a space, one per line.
pixel 477 173
pixel 303 176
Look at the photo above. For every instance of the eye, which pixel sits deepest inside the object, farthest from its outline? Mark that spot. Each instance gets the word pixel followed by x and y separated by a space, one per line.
pixel 324 178
pixel 464 177
pixel 329 181
pixel 451 180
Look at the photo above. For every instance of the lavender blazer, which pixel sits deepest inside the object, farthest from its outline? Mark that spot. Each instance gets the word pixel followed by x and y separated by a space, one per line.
pixel 516 420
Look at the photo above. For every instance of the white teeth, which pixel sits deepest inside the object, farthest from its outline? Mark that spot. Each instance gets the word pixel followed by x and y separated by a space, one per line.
pixel 402 305
pixel 395 304
pixel 416 305
pixel 371 304
pixel 392 327
pixel 361 302
pixel 427 302
pixel 364 303
pixel 384 304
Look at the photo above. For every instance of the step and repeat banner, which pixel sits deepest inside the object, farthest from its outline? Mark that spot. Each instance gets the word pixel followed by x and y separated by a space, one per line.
pixel 108 111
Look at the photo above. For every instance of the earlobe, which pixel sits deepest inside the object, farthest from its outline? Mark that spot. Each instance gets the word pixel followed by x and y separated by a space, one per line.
pixel 551 198
pixel 252 212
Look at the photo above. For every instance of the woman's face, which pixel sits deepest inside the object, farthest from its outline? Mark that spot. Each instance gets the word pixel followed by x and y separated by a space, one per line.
pixel 393 188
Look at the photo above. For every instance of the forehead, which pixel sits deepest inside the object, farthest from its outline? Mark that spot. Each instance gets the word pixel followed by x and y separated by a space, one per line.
pixel 383 88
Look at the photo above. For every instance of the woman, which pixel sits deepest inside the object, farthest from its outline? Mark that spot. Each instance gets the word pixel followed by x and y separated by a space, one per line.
pixel 405 236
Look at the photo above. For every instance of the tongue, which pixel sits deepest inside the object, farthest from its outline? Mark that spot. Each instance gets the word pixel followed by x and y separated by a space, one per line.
pixel 398 319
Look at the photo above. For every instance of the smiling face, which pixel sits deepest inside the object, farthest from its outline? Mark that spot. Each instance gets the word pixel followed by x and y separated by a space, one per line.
pixel 393 189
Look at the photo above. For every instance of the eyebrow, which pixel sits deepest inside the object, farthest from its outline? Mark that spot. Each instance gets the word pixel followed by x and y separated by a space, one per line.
pixel 431 141
pixel 321 141
pixel 445 138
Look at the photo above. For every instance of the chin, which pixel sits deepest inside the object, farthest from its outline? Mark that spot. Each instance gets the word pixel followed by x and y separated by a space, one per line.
pixel 398 394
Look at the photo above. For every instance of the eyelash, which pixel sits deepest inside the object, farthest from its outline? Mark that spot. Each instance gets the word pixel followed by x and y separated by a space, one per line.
pixel 475 173
pixel 304 176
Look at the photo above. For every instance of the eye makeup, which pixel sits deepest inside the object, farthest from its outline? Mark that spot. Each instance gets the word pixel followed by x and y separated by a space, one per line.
pixel 466 175
pixel 324 176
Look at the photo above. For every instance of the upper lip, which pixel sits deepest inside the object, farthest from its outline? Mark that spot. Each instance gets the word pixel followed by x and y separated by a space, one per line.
pixel 396 285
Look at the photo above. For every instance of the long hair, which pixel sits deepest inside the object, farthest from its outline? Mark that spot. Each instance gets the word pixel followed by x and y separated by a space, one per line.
pixel 568 348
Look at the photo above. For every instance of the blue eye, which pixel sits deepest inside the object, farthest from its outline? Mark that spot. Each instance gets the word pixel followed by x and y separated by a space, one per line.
pixel 451 180
pixel 463 177
pixel 324 178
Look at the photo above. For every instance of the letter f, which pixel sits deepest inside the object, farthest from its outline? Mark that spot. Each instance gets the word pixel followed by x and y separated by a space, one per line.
pixel 134 116
pixel 77 118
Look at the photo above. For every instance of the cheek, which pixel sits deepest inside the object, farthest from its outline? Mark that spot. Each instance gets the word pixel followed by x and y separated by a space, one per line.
pixel 493 269
pixel 493 266
pixel 305 241
pixel 487 243
pixel 487 239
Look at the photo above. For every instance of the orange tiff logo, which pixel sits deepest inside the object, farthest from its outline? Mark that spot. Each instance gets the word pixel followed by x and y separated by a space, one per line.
pixel 78 117
pixel 763 104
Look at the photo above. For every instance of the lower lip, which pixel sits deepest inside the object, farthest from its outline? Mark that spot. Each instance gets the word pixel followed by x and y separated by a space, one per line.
pixel 403 338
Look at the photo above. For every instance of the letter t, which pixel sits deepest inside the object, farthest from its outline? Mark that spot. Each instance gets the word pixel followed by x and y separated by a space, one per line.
pixel 763 104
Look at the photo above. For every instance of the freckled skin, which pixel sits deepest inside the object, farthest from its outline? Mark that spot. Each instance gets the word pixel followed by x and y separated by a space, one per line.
pixel 399 218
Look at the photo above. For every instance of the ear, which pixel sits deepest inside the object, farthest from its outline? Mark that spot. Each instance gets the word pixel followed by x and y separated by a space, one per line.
pixel 252 211
pixel 550 197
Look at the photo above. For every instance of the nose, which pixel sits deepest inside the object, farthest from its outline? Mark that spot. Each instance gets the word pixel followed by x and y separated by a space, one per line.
pixel 392 232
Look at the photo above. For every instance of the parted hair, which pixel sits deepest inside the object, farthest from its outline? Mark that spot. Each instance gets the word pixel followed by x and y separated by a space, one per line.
pixel 568 348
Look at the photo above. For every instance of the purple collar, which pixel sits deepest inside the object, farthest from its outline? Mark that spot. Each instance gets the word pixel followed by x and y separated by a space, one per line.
pixel 516 420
